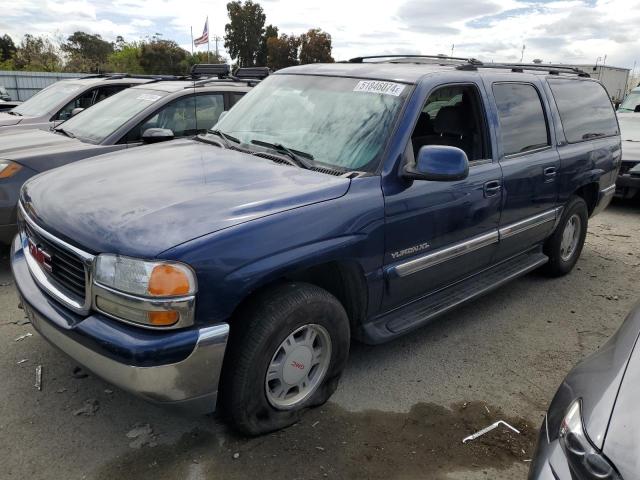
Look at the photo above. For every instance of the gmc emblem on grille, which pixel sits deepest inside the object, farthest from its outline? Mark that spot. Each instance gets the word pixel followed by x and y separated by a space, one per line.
pixel 40 255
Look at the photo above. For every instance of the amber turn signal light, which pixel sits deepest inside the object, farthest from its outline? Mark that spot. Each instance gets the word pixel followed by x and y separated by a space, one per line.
pixel 168 280
pixel 10 170
pixel 163 318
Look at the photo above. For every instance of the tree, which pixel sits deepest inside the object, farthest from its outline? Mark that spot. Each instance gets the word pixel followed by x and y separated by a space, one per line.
pixel 315 47
pixel 86 52
pixel 244 32
pixel 7 48
pixel 269 32
pixel 126 58
pixel 282 51
pixel 37 54
pixel 163 57
pixel 201 57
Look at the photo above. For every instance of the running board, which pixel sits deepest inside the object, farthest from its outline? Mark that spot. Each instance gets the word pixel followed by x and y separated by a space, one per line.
pixel 421 312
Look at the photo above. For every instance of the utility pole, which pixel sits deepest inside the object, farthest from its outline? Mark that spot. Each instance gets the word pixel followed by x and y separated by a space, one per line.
pixel 216 38
pixel 452 47
pixel 522 54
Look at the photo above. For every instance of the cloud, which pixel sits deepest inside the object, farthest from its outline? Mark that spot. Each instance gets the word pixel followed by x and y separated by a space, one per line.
pixel 422 16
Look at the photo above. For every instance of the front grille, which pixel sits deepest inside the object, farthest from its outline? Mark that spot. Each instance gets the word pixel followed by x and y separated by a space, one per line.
pixel 67 270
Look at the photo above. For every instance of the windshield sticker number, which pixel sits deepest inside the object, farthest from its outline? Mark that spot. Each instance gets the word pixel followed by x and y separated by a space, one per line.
pixel 148 97
pixel 373 86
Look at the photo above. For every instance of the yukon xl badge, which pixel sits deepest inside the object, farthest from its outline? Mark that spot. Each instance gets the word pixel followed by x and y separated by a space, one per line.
pixel 409 251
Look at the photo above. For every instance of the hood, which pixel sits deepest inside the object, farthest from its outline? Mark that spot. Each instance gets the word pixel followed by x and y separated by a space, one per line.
pixel 596 380
pixel 6 119
pixel 42 150
pixel 622 442
pixel 630 151
pixel 144 201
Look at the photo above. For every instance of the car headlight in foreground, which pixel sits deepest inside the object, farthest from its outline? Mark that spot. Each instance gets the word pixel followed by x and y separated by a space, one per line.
pixel 146 292
pixel 585 461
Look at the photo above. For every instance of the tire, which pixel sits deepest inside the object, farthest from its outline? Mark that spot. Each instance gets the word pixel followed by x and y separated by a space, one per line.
pixel 258 341
pixel 563 256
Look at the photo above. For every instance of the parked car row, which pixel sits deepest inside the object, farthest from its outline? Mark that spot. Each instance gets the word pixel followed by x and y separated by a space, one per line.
pixel 232 267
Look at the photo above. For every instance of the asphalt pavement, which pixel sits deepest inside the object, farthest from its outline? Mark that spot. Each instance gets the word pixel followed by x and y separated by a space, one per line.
pixel 401 411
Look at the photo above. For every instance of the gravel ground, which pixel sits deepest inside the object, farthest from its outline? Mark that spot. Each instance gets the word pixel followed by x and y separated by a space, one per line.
pixel 401 410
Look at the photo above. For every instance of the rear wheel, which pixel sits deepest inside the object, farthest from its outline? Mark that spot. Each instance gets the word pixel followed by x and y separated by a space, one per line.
pixel 286 353
pixel 565 244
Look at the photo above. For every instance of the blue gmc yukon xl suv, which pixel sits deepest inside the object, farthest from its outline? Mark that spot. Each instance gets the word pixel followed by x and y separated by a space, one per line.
pixel 351 200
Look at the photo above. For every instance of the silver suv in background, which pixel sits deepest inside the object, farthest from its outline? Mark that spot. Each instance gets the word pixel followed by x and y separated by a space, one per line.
pixel 56 103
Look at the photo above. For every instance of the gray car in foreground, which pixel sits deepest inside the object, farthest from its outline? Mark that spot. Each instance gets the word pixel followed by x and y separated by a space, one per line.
pixel 592 428
pixel 56 103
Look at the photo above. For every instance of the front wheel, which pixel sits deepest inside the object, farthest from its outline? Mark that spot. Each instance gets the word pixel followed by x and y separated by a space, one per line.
pixel 287 350
pixel 565 244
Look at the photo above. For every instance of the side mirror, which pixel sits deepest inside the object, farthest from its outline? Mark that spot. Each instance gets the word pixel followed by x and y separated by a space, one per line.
pixel 637 109
pixel 155 135
pixel 439 163
pixel 76 111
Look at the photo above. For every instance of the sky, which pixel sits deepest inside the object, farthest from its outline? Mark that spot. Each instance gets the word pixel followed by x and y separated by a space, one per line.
pixel 572 31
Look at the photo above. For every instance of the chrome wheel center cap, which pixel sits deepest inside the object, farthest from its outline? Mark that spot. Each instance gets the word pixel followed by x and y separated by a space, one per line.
pixel 297 365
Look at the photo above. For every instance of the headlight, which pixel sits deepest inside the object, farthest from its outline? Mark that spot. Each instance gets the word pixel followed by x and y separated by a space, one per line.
pixel 153 293
pixel 585 460
pixel 8 168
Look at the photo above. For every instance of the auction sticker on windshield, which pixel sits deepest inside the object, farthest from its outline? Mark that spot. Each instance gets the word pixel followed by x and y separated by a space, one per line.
pixel 148 97
pixel 373 86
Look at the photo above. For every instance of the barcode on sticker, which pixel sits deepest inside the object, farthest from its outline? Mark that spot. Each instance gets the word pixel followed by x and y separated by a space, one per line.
pixel 148 97
pixel 374 86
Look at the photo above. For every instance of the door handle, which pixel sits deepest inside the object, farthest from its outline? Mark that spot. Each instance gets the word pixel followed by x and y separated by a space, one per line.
pixel 492 188
pixel 550 172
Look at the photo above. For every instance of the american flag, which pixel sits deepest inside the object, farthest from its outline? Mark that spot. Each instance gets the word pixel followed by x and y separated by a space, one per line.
pixel 204 38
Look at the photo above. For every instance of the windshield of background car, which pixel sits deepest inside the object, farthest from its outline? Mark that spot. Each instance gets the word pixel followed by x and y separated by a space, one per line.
pixel 629 127
pixel 629 104
pixel 341 122
pixel 46 100
pixel 97 123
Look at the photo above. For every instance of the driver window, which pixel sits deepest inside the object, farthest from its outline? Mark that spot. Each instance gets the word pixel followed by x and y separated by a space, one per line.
pixel 83 101
pixel 453 116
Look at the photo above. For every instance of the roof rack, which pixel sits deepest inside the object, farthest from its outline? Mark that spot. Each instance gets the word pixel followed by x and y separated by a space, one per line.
pixel 249 75
pixel 116 76
pixel 220 70
pixel 430 57
pixel 552 69
pixel 258 73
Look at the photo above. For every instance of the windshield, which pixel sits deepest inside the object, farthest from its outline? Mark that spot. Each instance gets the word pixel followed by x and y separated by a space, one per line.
pixel 98 122
pixel 46 100
pixel 341 122
pixel 629 104
pixel 629 127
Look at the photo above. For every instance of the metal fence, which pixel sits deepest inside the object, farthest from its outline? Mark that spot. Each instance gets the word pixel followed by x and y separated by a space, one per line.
pixel 24 85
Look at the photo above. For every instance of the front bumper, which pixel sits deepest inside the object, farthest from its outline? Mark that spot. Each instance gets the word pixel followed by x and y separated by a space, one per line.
pixel 549 461
pixel 102 346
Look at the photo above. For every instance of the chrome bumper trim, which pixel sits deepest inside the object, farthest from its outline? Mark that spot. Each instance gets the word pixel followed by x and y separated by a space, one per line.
pixel 528 223
pixel 194 380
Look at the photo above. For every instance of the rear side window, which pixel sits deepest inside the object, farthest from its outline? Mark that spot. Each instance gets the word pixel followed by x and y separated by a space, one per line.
pixel 522 120
pixel 585 109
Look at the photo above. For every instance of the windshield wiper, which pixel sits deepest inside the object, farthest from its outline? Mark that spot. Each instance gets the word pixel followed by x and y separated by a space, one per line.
pixel 224 137
pixel 588 136
pixel 11 112
pixel 300 158
pixel 65 132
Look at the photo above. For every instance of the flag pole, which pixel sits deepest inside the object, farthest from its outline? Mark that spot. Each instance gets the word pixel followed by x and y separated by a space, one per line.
pixel 192 41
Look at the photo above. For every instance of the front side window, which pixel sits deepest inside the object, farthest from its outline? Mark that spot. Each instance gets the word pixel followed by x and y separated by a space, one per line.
pixel 336 121
pixel 453 116
pixel 47 99
pixel 83 101
pixel 585 109
pixel 180 116
pixel 103 119
pixel 523 124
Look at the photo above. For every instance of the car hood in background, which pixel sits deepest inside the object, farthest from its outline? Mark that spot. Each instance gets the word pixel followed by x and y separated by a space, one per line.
pixel 42 150
pixel 145 201
pixel 630 151
pixel 622 443
pixel 6 119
